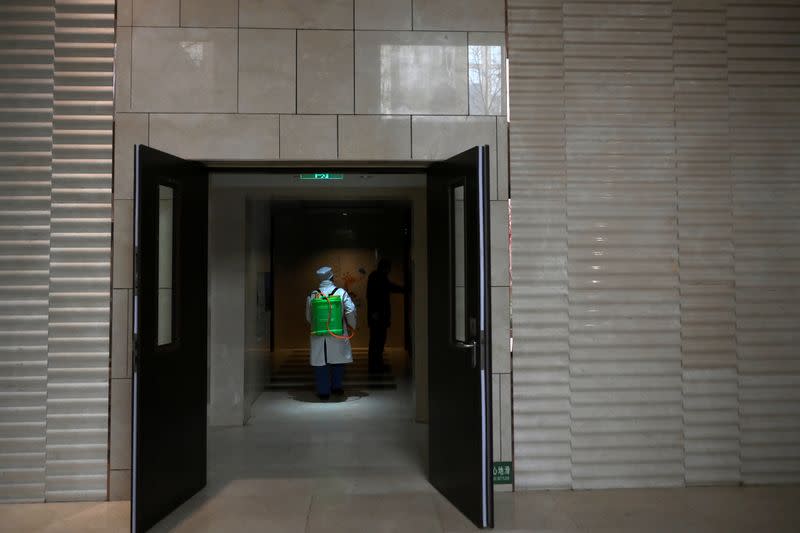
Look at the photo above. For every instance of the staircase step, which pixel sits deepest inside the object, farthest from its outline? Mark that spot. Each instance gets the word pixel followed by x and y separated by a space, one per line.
pixel 307 385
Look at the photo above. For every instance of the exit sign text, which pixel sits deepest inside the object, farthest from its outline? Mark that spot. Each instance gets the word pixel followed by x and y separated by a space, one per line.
pixel 322 176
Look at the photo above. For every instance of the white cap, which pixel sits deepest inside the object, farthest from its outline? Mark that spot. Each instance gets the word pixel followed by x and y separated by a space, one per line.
pixel 325 273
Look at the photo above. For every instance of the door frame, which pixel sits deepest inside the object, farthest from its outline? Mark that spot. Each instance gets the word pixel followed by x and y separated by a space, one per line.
pixel 378 167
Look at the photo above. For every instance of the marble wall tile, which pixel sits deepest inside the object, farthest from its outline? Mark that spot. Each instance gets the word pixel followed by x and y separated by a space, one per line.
pixel 184 70
pixel 119 485
pixel 403 72
pixel 506 422
pixel 324 72
pixel 120 439
pixel 383 14
pixel 497 448
pixel 122 276
pixel 156 12
pixel 374 137
pixel 129 332
pixel 267 76
pixel 122 71
pixel 443 137
pixel 119 333
pixel 487 73
pixel 308 137
pixel 499 242
pixel 211 136
pixel 501 357
pixel 460 15
pixel 129 129
pixel 209 13
pixel 305 14
pixel 124 12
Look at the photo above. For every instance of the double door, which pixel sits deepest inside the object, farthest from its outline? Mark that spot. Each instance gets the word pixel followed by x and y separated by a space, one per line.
pixel 170 334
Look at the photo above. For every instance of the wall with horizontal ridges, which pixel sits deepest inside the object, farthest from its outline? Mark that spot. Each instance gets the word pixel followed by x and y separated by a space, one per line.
pixel 26 152
pixel 654 186
pixel 56 124
pixel 80 252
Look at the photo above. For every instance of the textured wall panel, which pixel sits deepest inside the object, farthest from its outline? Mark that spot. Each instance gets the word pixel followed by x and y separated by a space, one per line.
pixel 80 253
pixel 26 123
pixel 705 226
pixel 679 126
pixel 541 401
pixel 764 72
pixel 624 316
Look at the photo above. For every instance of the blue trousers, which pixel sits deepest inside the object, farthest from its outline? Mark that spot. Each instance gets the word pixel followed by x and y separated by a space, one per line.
pixel 328 377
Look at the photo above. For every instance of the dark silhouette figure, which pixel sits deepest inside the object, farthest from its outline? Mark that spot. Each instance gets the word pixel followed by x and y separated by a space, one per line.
pixel 379 310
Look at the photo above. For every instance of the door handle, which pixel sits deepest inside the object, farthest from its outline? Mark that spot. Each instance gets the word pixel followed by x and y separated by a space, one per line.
pixel 473 346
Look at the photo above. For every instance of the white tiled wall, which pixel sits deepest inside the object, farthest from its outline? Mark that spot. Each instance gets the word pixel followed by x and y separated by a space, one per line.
pixel 408 72
pixel 215 135
pixel 267 81
pixel 375 137
pixel 308 137
pixel 305 80
pixel 184 70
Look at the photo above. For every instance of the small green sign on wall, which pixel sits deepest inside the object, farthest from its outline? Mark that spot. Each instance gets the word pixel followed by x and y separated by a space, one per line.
pixel 502 473
pixel 322 176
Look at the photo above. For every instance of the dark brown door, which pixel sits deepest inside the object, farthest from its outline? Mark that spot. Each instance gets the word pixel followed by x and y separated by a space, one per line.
pixel 459 333
pixel 169 372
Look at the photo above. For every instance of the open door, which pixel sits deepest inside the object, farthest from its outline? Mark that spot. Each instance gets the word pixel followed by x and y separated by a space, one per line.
pixel 170 325
pixel 459 333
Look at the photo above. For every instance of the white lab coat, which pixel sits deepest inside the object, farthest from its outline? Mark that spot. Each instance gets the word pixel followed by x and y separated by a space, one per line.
pixel 338 350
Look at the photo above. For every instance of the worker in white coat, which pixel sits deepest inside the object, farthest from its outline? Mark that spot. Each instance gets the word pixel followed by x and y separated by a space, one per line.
pixel 330 353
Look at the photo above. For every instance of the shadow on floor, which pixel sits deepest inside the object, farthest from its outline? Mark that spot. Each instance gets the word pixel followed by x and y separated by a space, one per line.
pixel 308 396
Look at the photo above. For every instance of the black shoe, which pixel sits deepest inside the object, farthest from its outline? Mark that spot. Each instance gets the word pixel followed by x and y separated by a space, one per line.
pixel 337 392
pixel 323 397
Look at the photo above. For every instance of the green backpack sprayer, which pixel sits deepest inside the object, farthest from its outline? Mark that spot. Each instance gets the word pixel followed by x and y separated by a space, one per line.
pixel 327 317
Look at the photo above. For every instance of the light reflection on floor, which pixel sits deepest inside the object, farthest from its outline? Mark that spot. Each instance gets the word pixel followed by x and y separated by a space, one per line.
pixel 298 459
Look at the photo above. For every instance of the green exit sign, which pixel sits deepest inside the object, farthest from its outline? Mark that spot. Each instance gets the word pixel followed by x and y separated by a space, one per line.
pixel 322 176
pixel 502 473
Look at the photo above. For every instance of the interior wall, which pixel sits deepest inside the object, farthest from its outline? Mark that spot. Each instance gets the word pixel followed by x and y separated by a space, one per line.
pixel 227 281
pixel 655 197
pixel 350 94
pixel 239 322
pixel 306 239
pixel 55 251
pixel 257 313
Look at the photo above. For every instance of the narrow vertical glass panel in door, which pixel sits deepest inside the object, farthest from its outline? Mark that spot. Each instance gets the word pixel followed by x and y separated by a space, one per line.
pixel 459 289
pixel 166 296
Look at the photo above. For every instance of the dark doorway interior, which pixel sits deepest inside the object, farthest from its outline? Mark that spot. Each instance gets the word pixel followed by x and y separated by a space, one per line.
pixel 351 237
